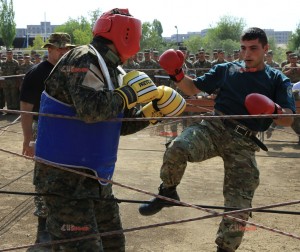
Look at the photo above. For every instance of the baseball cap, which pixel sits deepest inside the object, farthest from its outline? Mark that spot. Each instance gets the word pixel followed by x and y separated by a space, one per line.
pixel 59 40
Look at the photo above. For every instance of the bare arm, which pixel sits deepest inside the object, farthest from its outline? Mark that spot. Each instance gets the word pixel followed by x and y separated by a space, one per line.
pixel 187 86
pixel 26 121
pixel 285 121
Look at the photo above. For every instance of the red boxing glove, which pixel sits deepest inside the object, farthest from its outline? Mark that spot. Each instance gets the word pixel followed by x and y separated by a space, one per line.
pixel 172 61
pixel 257 104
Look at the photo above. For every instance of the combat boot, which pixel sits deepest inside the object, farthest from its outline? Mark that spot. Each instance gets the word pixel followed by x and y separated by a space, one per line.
pixel 221 250
pixel 156 204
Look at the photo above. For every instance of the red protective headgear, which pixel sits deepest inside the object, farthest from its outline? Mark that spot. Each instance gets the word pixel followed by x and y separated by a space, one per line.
pixel 122 29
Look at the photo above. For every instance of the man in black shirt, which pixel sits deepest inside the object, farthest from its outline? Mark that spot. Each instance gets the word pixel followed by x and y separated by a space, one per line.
pixel 32 88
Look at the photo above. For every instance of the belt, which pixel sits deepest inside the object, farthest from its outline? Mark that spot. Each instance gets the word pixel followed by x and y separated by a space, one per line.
pixel 243 131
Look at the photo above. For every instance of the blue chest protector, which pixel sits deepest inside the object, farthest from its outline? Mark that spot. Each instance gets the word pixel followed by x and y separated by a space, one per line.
pixel 74 143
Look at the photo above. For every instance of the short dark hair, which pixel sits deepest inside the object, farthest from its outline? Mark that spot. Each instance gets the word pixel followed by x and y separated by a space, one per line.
pixel 255 33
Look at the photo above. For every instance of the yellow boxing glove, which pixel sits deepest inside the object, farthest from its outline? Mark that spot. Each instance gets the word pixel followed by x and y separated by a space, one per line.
pixel 167 103
pixel 137 88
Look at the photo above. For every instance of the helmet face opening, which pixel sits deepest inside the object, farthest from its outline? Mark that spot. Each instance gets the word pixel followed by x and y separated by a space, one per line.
pixel 122 29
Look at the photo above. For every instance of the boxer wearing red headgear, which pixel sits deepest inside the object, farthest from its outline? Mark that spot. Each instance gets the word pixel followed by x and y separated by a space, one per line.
pixel 88 83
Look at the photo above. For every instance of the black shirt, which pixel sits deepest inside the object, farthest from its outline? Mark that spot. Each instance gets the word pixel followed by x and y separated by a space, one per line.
pixel 33 84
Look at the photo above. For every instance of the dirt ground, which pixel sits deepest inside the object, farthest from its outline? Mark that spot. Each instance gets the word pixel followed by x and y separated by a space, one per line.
pixel 139 159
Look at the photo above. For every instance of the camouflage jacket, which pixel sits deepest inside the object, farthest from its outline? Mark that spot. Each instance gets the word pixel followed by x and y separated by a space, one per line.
pixel 24 68
pixel 9 67
pixel 77 80
pixel 202 67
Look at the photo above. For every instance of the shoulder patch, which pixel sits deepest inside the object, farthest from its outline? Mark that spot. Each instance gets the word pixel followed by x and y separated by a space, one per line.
pixel 289 91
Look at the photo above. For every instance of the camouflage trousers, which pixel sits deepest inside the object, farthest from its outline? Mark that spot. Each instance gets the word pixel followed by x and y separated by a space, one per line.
pixel 11 94
pixel 209 139
pixel 40 207
pixel 77 209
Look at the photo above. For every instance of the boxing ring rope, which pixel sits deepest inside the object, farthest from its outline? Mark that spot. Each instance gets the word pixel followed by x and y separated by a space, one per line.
pixel 212 213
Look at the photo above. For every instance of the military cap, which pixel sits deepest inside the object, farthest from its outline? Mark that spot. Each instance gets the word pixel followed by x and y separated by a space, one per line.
pixel 215 50
pixel 8 51
pixel 147 51
pixel 20 57
pixel 270 52
pixel 236 51
pixel 26 55
pixel 221 51
pixel 201 50
pixel 59 40
pixel 288 52
pixel 182 48
pixel 140 53
pixel 293 55
pixel 37 55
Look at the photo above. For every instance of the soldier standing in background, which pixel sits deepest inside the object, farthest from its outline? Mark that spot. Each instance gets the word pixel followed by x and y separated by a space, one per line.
pixel 2 100
pixel 26 65
pixel 10 85
pixel 292 70
pixel 148 65
pixel 287 61
pixel 201 65
pixel 131 64
pixel 269 60
pixel 220 59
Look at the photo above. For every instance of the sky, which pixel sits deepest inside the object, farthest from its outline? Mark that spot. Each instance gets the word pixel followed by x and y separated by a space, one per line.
pixel 187 15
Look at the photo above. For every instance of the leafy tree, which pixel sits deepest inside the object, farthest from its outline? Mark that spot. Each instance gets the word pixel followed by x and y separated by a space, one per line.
pixel 38 42
pixel 7 23
pixel 157 27
pixel 294 42
pixel 94 15
pixel 229 28
pixel 79 29
pixel 225 35
pixel 152 36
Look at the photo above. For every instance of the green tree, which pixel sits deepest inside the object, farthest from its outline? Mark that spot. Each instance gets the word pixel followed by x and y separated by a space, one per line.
pixel 229 28
pixel 79 29
pixel 7 23
pixel 294 42
pixel 94 15
pixel 152 36
pixel 226 35
pixel 38 42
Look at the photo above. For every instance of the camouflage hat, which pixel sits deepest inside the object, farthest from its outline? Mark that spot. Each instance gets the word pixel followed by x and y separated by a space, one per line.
pixel 270 52
pixel 182 48
pixel 59 40
pixel 146 51
pixel 293 55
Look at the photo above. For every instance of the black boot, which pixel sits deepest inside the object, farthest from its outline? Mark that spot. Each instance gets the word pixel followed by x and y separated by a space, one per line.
pixel 221 250
pixel 156 204
pixel 42 234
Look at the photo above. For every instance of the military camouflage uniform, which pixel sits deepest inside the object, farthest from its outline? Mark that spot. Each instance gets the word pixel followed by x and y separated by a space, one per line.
pixel 202 67
pixel 25 67
pixel 209 139
pixel 131 64
pixel 2 99
pixel 78 210
pixel 11 85
pixel 148 66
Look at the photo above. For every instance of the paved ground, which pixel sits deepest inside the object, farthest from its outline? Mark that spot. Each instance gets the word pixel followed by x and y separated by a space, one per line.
pixel 140 157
